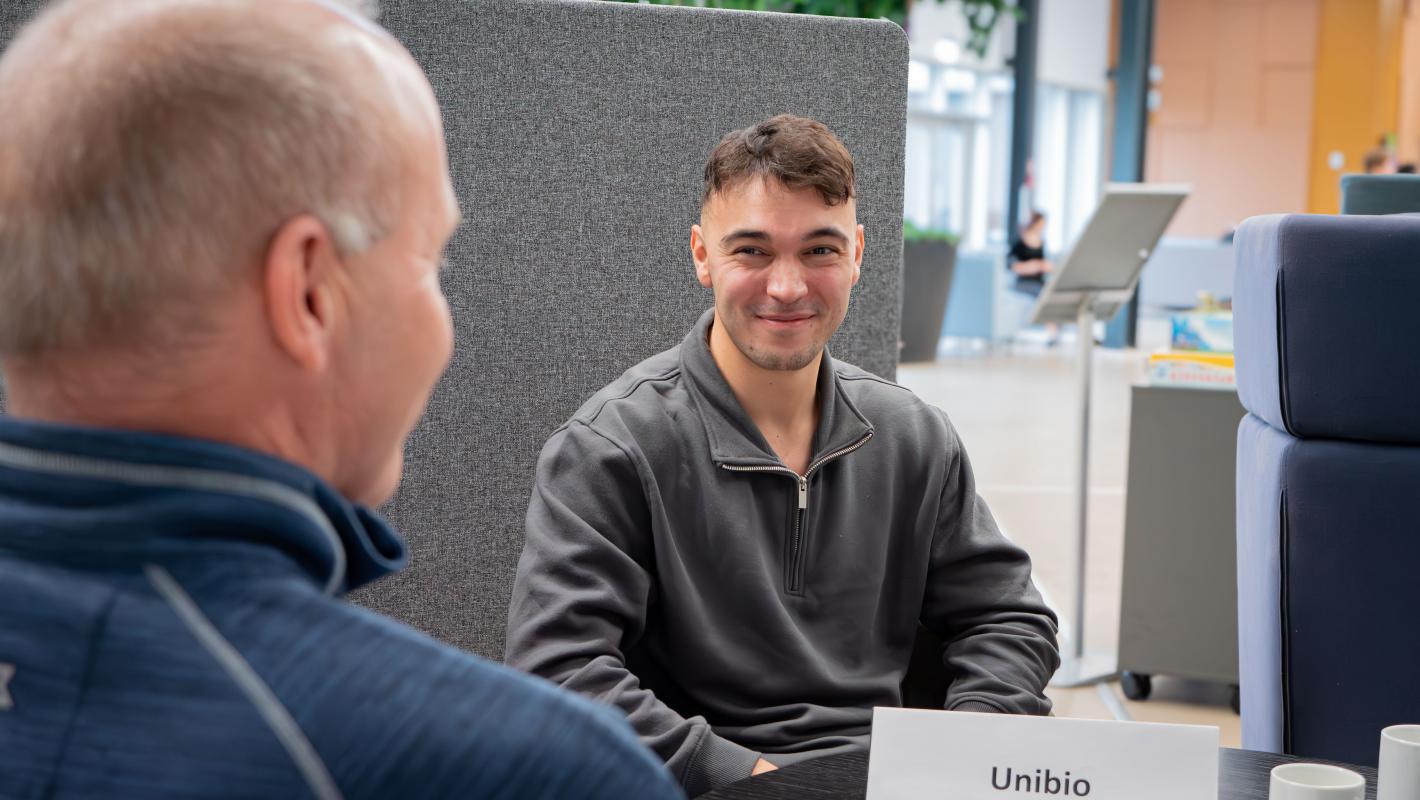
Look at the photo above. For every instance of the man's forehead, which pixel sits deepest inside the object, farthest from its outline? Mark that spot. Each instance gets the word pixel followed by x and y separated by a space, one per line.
pixel 768 202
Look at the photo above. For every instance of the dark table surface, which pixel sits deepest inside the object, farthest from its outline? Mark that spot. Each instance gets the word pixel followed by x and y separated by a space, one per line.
pixel 1242 775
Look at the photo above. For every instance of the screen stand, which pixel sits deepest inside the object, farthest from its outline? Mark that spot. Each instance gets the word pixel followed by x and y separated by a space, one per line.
pixel 1077 668
pixel 1098 275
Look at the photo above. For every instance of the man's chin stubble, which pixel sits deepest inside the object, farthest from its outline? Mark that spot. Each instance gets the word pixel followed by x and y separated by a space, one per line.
pixel 782 363
pixel 775 360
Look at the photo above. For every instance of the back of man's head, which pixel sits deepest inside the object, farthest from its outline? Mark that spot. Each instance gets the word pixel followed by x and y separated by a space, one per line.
pixel 148 150
pixel 223 219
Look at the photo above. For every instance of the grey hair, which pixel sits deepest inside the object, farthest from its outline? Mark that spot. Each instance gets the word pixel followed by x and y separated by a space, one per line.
pixel 367 8
pixel 147 156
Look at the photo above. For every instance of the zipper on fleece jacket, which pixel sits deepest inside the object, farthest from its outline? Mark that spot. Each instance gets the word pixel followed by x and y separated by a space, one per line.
pixel 794 567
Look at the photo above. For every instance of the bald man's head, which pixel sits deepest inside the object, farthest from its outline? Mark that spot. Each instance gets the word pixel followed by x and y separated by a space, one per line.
pixel 149 149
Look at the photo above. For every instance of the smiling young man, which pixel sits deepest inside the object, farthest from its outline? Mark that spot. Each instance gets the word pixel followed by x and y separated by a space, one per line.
pixel 735 542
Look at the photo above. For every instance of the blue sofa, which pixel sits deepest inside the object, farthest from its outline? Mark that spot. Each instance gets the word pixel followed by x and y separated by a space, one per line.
pixel 1380 194
pixel 1328 486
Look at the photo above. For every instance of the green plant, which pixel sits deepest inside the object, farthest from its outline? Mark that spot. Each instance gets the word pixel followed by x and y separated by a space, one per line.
pixel 981 15
pixel 981 18
pixel 894 10
pixel 912 233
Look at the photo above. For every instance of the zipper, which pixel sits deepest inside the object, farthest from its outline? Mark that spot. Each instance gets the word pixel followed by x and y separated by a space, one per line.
pixel 793 572
pixel 842 451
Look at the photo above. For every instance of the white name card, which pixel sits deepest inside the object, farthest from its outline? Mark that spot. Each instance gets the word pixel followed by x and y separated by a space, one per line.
pixel 953 755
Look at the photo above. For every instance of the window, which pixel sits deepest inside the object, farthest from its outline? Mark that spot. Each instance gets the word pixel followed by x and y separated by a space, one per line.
pixel 958 155
pixel 1068 161
pixel 958 147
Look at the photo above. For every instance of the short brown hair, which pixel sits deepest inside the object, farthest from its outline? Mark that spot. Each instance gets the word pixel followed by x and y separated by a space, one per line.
pixel 796 151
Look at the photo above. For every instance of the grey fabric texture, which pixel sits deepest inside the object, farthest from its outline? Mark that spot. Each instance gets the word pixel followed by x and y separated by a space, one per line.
pixel 577 132
pixel 13 14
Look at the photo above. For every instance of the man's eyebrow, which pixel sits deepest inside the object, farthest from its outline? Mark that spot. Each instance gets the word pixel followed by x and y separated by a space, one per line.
pixel 829 233
pixel 744 233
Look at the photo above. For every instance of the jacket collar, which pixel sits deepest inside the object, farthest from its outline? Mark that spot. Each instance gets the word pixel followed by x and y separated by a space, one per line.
pixel 734 438
pixel 65 489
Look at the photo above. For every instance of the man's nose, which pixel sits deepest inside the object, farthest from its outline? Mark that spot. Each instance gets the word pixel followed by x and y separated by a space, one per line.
pixel 787 282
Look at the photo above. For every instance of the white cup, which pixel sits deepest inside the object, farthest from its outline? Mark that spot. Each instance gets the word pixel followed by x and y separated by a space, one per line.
pixel 1398 777
pixel 1315 782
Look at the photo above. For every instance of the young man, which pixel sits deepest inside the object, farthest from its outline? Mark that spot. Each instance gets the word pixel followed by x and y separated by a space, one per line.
pixel 220 316
pixel 735 542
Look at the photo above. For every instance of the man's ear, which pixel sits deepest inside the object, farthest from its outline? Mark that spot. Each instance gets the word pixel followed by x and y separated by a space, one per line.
pixel 858 256
pixel 701 254
pixel 297 273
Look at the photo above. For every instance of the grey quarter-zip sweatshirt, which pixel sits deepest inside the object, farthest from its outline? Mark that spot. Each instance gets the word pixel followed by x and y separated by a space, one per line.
pixel 733 609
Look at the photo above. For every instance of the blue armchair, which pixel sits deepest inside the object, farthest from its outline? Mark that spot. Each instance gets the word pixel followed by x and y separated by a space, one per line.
pixel 1328 482
pixel 1380 194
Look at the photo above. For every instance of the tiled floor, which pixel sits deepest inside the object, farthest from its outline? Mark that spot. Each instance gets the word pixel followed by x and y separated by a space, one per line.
pixel 1016 411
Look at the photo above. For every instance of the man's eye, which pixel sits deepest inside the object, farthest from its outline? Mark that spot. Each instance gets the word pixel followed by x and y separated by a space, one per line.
pixel 749 251
pixel 822 251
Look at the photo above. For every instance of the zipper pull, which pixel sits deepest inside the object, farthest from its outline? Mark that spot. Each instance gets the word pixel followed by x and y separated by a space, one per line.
pixel 803 493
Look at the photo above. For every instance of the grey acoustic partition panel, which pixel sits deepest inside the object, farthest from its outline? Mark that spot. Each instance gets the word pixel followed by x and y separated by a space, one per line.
pixel 13 14
pixel 577 132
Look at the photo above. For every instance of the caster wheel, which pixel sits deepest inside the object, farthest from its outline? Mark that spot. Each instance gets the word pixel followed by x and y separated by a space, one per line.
pixel 1136 685
pixel 1235 699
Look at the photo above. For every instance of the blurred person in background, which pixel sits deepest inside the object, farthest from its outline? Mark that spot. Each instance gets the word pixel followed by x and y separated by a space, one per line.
pixel 1027 259
pixel 1031 268
pixel 1380 160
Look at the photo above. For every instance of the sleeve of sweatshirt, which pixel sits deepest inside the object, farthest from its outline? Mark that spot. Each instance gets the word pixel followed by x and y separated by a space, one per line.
pixel 581 594
pixel 1000 647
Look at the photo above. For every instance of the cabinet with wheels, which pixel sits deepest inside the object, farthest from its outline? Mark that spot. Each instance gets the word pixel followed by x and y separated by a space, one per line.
pixel 1178 609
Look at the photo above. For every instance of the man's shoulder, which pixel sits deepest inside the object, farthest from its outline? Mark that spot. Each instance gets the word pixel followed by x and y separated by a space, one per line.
pixel 869 384
pixel 891 408
pixel 640 410
pixel 472 723
pixel 374 665
pixel 640 385
pixel 363 643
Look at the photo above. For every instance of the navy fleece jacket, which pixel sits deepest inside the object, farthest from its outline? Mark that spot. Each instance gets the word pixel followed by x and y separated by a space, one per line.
pixel 171 626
